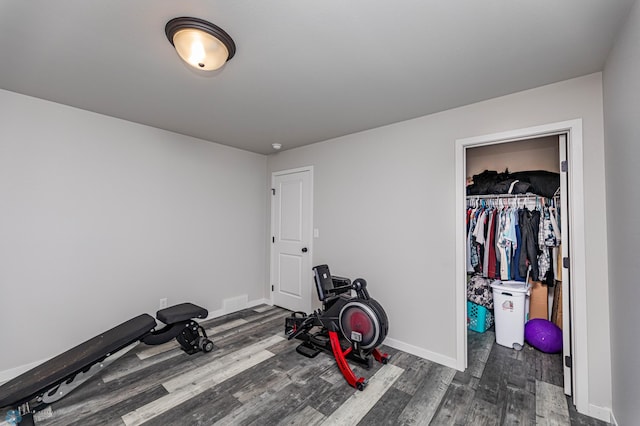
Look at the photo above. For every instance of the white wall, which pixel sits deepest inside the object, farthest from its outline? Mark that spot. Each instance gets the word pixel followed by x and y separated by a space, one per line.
pixel 100 218
pixel 621 83
pixel 384 206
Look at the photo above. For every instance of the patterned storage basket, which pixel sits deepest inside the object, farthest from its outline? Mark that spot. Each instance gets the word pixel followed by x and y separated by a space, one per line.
pixel 479 318
pixel 479 291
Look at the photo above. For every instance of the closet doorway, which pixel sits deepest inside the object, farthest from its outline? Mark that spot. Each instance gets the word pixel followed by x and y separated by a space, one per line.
pixel 563 145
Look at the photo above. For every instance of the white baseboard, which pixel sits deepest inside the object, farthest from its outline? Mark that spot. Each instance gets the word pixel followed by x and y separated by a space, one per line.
pixel 614 422
pixel 259 302
pixel 234 304
pixel 236 307
pixel 601 413
pixel 421 352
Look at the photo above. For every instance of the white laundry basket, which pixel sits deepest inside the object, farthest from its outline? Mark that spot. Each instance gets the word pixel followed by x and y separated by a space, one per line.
pixel 509 302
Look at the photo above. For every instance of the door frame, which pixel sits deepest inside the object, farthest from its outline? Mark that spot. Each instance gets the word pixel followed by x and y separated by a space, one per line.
pixel 272 229
pixel 577 262
pixel 567 338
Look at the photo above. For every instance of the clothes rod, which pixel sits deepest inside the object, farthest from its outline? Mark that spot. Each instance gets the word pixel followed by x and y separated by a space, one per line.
pixel 509 196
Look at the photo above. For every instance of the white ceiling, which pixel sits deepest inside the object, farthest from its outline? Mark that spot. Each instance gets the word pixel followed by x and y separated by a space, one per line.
pixel 304 71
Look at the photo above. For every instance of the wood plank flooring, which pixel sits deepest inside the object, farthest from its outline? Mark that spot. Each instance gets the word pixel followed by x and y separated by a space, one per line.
pixel 254 376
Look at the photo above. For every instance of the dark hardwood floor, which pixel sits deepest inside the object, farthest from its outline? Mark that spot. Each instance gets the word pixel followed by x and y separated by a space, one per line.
pixel 254 376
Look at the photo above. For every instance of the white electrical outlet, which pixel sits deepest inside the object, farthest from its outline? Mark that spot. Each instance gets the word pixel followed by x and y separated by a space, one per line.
pixel 163 303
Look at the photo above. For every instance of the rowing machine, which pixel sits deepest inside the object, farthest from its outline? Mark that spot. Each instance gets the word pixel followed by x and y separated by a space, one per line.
pixel 346 327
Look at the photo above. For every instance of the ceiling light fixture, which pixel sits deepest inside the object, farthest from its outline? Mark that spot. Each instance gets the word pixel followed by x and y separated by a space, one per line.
pixel 199 43
pixel 276 146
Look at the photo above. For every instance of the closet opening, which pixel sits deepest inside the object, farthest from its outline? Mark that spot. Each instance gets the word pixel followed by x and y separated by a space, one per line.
pixel 504 161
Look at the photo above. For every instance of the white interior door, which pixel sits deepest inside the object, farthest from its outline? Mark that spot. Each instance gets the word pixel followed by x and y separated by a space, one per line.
pixel 566 277
pixel 291 274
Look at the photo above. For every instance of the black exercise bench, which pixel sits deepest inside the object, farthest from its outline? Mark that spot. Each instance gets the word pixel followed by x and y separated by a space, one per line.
pixel 55 378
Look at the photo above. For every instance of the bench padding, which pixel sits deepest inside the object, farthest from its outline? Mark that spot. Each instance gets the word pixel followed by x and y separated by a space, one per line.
pixel 69 363
pixel 180 313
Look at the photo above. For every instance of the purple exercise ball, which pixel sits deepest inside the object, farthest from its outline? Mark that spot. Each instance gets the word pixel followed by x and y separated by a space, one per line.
pixel 543 335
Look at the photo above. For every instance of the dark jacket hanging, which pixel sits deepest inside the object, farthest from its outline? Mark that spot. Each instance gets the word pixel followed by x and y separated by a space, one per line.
pixel 529 222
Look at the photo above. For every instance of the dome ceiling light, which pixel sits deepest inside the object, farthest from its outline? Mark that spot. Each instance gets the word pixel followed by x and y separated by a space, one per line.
pixel 199 43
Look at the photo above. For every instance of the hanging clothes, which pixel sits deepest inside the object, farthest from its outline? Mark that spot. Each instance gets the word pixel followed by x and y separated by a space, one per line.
pixel 515 269
pixel 488 242
pixel 507 242
pixel 529 224
pixel 475 258
pixel 504 240
pixel 548 239
pixel 544 233
pixel 491 248
pixel 470 226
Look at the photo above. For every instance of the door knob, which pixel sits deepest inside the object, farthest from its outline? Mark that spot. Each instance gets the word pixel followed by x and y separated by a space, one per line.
pixel 304 249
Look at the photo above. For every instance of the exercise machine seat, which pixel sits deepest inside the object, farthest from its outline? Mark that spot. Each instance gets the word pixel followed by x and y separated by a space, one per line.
pixel 329 287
